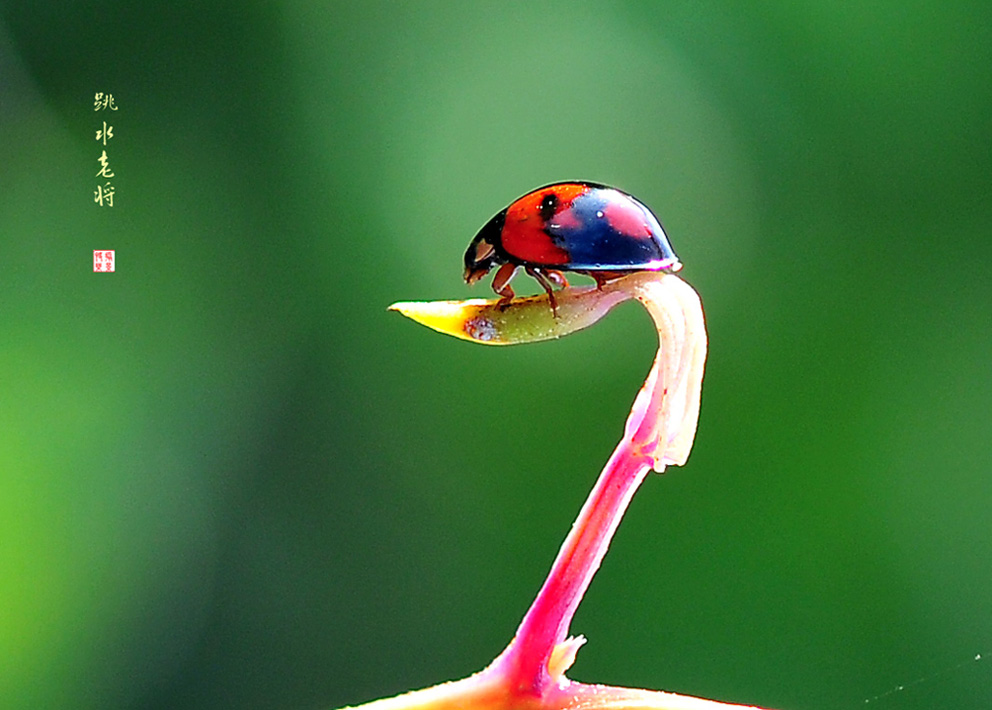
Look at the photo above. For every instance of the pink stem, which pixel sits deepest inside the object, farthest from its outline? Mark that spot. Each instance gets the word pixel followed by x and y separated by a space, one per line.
pixel 546 623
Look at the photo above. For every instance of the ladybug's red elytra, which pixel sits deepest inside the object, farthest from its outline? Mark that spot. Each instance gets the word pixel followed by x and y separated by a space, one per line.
pixel 583 227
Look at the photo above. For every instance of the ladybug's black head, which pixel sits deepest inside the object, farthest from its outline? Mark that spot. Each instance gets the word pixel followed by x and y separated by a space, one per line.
pixel 484 251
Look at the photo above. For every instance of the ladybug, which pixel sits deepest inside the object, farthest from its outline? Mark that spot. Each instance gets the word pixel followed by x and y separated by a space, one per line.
pixel 583 227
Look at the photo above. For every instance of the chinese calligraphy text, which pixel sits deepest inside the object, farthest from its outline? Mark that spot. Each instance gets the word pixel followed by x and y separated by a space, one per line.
pixel 104 194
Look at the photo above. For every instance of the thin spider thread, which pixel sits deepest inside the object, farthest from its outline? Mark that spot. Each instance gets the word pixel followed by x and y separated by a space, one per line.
pixel 925 679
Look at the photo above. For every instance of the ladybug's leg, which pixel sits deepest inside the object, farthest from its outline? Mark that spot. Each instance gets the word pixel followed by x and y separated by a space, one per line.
pixel 604 276
pixel 545 281
pixel 556 277
pixel 501 282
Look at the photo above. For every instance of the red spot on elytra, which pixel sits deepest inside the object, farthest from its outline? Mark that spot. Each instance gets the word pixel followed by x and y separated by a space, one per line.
pixel 627 221
pixel 566 219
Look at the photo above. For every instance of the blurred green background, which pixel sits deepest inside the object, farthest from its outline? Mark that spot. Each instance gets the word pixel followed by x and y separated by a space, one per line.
pixel 230 479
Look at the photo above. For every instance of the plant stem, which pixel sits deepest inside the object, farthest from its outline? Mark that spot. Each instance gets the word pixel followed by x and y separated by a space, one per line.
pixel 546 623
pixel 659 432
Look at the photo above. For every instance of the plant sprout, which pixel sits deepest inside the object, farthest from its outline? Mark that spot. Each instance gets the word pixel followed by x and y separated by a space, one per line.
pixel 530 672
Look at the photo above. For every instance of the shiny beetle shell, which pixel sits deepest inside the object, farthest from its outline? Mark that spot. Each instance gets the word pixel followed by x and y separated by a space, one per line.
pixel 583 227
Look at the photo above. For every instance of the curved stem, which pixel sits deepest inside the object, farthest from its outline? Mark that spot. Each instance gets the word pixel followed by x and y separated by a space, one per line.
pixel 546 623
pixel 659 431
